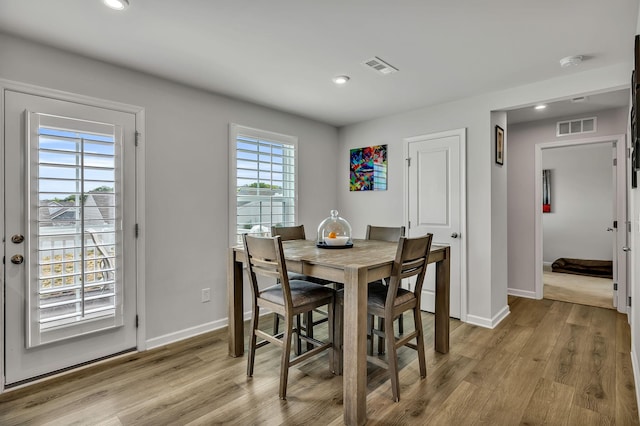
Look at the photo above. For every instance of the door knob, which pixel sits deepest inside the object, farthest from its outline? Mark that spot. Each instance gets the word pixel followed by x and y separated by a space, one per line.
pixel 17 259
pixel 626 249
pixel 17 239
pixel 454 235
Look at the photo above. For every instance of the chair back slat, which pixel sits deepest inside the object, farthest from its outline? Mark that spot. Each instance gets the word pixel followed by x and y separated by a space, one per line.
pixel 288 233
pixel 385 233
pixel 411 260
pixel 265 258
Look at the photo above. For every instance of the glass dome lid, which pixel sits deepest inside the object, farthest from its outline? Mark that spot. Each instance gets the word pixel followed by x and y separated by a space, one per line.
pixel 334 231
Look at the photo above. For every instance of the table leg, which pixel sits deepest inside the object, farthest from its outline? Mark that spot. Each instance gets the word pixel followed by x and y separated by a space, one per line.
pixel 234 294
pixel 442 304
pixel 355 346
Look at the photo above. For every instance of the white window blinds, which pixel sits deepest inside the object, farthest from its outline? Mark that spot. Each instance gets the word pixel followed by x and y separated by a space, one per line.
pixel 75 218
pixel 264 174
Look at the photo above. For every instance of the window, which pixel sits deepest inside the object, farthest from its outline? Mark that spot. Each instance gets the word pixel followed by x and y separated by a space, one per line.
pixel 75 211
pixel 572 127
pixel 263 181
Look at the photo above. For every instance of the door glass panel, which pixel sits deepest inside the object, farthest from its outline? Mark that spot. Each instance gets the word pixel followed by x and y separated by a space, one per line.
pixel 74 224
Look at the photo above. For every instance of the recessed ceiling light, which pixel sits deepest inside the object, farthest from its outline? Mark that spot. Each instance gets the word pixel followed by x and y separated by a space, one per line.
pixel 116 4
pixel 539 107
pixel 340 79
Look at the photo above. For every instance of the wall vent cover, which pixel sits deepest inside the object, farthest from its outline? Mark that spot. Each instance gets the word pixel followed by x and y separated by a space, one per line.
pixel 380 66
pixel 572 127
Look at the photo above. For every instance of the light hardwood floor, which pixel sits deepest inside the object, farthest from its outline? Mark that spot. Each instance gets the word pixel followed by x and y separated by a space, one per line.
pixel 548 362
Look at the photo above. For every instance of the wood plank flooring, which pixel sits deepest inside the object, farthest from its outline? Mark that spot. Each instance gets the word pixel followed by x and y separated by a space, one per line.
pixel 547 363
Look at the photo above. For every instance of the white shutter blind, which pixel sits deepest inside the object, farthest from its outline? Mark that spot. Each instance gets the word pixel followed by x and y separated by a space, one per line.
pixel 74 222
pixel 265 188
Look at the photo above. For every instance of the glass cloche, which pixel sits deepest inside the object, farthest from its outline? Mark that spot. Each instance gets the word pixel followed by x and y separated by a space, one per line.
pixel 334 231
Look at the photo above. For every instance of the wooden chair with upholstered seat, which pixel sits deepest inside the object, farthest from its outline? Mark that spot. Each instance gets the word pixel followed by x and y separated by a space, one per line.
pixel 288 298
pixel 390 301
pixel 288 233
pixel 391 234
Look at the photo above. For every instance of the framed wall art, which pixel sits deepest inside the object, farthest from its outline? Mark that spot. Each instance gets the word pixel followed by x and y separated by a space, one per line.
pixel 499 145
pixel 368 168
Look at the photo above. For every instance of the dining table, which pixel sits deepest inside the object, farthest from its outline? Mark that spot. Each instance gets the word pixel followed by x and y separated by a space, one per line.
pixel 354 267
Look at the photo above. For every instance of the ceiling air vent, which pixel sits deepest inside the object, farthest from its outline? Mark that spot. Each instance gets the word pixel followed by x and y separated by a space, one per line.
pixel 572 127
pixel 380 66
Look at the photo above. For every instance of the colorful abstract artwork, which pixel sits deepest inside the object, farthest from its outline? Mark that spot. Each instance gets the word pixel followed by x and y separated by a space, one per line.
pixel 546 191
pixel 368 168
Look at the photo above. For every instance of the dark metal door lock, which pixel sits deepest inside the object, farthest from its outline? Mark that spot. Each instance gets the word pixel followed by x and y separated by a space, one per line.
pixel 17 259
pixel 17 239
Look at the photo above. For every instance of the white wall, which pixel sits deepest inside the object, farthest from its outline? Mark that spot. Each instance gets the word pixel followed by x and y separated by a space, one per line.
pixel 186 175
pixel 521 189
pixel 487 264
pixel 582 194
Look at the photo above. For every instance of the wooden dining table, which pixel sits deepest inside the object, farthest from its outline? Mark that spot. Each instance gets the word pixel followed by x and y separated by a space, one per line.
pixel 366 261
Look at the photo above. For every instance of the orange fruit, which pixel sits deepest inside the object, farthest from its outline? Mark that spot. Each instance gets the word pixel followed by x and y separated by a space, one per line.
pixel 332 234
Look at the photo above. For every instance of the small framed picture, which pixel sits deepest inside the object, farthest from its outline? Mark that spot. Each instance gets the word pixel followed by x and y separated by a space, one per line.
pixel 499 145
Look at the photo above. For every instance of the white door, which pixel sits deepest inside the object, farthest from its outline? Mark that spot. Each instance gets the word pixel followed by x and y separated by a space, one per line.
pixel 436 205
pixel 70 273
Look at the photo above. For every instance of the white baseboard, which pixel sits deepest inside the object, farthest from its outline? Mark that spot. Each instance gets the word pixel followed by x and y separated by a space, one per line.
pixel 186 333
pixel 488 322
pixel 521 293
pixel 191 332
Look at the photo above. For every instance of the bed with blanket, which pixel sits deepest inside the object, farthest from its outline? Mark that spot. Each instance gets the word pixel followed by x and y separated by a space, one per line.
pixel 593 268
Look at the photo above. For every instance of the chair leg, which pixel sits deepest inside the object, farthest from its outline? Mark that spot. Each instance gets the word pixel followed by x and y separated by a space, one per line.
pixel 371 336
pixel 331 330
pixel 401 324
pixel 338 338
pixel 298 347
pixel 252 341
pixel 381 327
pixel 276 323
pixel 286 356
pixel 308 328
pixel 417 320
pixel 392 357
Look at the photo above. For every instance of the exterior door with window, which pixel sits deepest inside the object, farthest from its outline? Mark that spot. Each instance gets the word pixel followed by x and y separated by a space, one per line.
pixel 70 273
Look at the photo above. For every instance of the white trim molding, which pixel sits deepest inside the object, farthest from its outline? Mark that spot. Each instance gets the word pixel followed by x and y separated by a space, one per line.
pixel 620 143
pixel 521 293
pixel 489 322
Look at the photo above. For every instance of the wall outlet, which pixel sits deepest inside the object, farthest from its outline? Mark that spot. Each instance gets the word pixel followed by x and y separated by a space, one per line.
pixel 206 295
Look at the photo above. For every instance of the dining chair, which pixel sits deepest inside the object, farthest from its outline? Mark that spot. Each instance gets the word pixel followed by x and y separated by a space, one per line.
pixel 389 302
pixel 288 233
pixel 288 298
pixel 391 234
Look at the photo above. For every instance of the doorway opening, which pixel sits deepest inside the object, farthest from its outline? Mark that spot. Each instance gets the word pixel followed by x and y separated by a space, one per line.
pixel 593 201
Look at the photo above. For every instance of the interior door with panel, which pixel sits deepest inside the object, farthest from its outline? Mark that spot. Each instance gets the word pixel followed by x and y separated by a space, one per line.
pixel 435 205
pixel 70 273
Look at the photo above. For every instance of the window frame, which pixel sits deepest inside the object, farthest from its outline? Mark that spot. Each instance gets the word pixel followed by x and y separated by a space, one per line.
pixel 236 130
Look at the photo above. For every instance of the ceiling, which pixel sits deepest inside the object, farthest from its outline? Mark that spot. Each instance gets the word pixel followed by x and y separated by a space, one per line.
pixel 284 53
pixel 581 105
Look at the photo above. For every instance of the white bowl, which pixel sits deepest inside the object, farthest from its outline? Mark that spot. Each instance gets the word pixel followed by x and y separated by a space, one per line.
pixel 337 241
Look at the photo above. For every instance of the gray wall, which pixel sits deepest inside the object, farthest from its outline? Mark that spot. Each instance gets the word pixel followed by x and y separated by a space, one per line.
pixel 187 156
pixel 521 189
pixel 187 132
pixel 582 192
pixel 486 241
